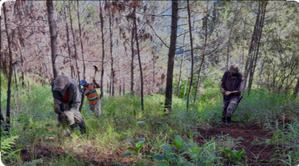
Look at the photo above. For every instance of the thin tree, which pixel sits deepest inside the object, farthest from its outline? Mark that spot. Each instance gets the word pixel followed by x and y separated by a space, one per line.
pixel 68 41
pixel 53 35
pixel 296 88
pixel 139 58
pixel 103 49
pixel 192 55
pixel 262 11
pixel 74 41
pixel 81 42
pixel 111 53
pixel 171 55
pixel 180 72
pixel 10 69
pixel 132 61
pixel 205 25
pixel 254 45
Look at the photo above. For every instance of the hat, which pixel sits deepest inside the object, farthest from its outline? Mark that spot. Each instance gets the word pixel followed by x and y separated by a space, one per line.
pixel 59 83
pixel 83 82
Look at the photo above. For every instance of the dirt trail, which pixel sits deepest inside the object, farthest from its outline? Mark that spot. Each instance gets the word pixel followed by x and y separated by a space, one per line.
pixel 252 140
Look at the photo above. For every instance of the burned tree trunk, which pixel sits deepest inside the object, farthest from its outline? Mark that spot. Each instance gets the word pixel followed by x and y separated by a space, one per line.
pixel 10 70
pixel 53 35
pixel 103 49
pixel 81 43
pixel 192 55
pixel 171 55
pixel 139 59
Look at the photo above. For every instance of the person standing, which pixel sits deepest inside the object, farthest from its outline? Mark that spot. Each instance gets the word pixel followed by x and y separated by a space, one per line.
pixel 89 89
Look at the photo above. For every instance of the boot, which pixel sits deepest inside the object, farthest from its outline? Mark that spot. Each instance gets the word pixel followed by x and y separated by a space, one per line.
pixel 82 127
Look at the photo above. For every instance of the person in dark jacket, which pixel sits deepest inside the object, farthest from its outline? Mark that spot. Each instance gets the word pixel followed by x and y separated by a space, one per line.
pixel 67 99
pixel 231 87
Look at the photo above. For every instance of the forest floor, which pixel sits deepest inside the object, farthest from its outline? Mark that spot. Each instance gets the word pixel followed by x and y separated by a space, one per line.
pixel 251 138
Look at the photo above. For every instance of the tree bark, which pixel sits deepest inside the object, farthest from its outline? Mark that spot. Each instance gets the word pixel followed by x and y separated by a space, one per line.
pixel 254 45
pixel 21 56
pixel 260 24
pixel 296 88
pixel 10 70
pixel 171 55
pixel 111 53
pixel 180 73
pixel 74 41
pixel 81 42
pixel 53 35
pixel 192 55
pixel 132 61
pixel 68 42
pixel 103 49
pixel 139 59
pixel 262 11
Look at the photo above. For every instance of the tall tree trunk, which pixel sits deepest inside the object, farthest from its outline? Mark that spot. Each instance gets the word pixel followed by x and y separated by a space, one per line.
pixel 103 49
pixel 192 55
pixel 254 45
pixel 10 70
pixel 111 53
pixel 81 42
pixel 139 59
pixel 74 41
pixel 180 74
pixel 1 115
pixel 171 55
pixel 203 55
pixel 68 41
pixel 259 30
pixel 82 53
pixel 132 62
pixel 262 10
pixel 296 88
pixel 53 35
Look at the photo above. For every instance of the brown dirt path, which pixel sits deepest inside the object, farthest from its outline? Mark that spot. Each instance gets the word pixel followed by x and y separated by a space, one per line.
pixel 252 140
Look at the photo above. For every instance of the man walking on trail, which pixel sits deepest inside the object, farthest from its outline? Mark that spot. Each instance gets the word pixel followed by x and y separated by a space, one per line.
pixel 67 99
pixel 93 98
pixel 231 86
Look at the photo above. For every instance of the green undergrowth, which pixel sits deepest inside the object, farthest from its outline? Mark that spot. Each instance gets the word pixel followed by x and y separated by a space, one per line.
pixel 149 137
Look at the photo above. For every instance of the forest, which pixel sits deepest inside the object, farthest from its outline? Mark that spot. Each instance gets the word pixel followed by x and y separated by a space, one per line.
pixel 142 83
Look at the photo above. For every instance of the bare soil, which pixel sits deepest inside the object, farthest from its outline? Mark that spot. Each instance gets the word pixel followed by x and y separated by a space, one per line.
pixel 252 140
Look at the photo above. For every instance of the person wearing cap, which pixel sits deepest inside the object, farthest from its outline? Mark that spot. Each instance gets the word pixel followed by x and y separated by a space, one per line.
pixel 89 89
pixel 231 87
pixel 67 100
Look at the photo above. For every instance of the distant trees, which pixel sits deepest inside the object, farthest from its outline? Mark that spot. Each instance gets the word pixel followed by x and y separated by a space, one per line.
pixel 171 54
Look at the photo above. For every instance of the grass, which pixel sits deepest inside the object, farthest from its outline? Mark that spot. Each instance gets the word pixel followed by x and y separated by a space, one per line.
pixel 111 135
